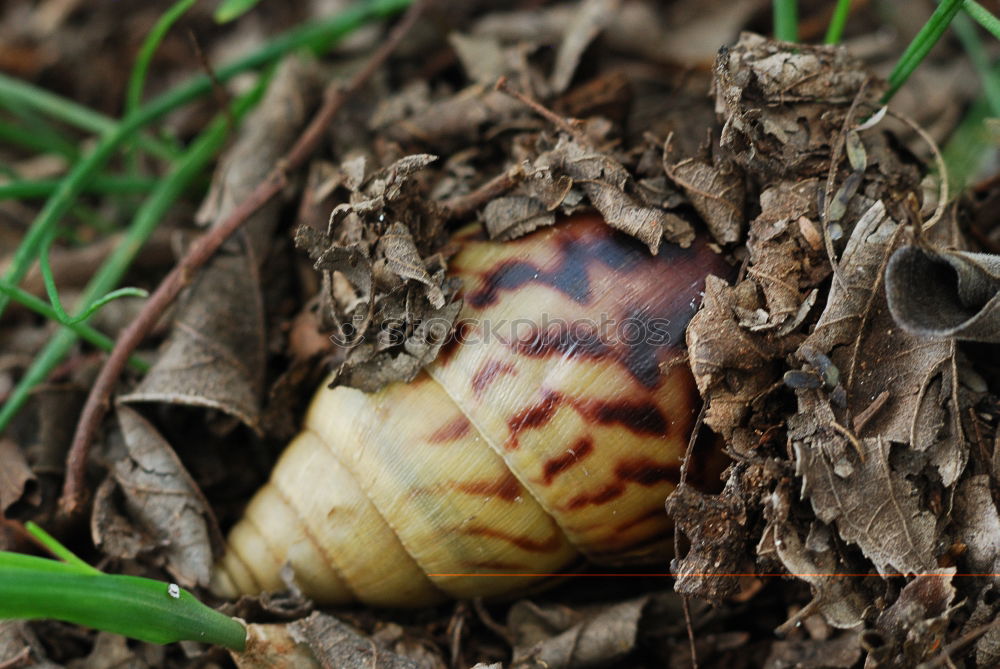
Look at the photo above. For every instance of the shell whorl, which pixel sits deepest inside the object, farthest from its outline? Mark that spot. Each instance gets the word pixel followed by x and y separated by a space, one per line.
pixel 551 425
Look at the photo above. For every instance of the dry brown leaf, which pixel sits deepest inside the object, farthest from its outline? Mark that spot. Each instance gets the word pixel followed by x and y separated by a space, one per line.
pixel 873 505
pixel 912 629
pixel 457 119
pixel 977 524
pixel 782 107
pixel 216 353
pixel 873 356
pixel 716 527
pixel 403 260
pixel 515 216
pixel 20 647
pixel 945 293
pixel 560 638
pixel 841 652
pixel 337 645
pixel 270 646
pixel 716 192
pixel 589 19
pixel 482 58
pixel 607 185
pixel 786 265
pixel 810 556
pixel 17 481
pixel 732 365
pixel 385 294
pixel 162 497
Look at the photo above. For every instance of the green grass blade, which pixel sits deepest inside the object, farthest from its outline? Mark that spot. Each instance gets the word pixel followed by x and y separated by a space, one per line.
pixel 315 34
pixel 141 608
pixel 229 10
pixel 983 17
pixel 185 170
pixel 786 20
pixel 81 330
pixel 16 91
pixel 57 549
pixel 41 130
pixel 137 79
pixel 14 135
pixel 26 189
pixel 835 31
pixel 966 150
pixel 49 280
pixel 988 75
pixel 921 45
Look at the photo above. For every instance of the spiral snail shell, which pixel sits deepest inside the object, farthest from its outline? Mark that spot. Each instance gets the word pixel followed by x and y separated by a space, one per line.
pixel 535 438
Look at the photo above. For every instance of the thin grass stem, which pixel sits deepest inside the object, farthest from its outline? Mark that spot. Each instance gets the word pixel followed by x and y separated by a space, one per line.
pixel 312 35
pixel 81 330
pixel 921 45
pixel 26 189
pixel 786 20
pixel 983 17
pixel 835 31
pixel 140 69
pixel 185 170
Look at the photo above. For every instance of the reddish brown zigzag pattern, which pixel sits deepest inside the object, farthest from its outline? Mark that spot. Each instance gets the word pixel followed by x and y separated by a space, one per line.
pixel 644 472
pixel 653 295
pixel 509 488
pixel 577 452
pixel 641 417
pixel 488 373
pixel 524 543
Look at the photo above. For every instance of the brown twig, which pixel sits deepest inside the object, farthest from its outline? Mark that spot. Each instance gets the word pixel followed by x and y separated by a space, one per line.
pixel 462 206
pixel 22 659
pixel 555 119
pixel 99 399
pixel 685 600
pixel 944 657
pixel 219 92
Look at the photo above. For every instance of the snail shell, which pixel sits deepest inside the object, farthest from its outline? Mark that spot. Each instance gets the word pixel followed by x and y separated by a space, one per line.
pixel 534 439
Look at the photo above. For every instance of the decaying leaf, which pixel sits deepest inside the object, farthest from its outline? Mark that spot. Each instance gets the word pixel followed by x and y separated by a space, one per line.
pixel 385 294
pixel 215 354
pixel 335 644
pixel 717 192
pixel 856 486
pixel 978 526
pixel 561 638
pixel 808 554
pixel 611 191
pixel 16 477
pixel 732 365
pixel 912 629
pixel 716 527
pixel 403 260
pixel 841 652
pixel 161 496
pixel 588 20
pixel 945 293
pixel 271 646
pixel 20 647
pixel 324 641
pixel 782 107
pixel 514 216
pixel 787 259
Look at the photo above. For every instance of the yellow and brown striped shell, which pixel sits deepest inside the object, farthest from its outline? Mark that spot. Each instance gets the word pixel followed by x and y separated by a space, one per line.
pixel 534 439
